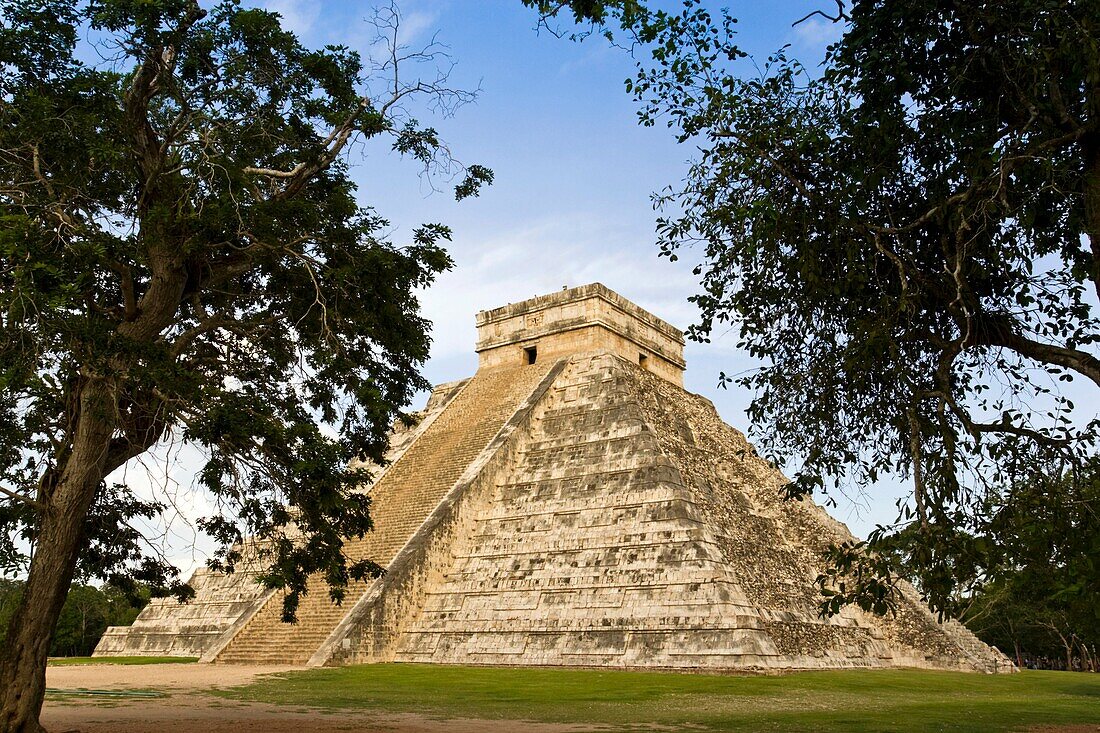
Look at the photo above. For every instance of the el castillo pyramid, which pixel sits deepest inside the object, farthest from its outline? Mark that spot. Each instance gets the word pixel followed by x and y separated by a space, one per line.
pixel 569 504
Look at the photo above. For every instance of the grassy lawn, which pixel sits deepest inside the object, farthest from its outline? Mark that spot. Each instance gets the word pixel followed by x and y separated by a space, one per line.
pixel 68 661
pixel 855 700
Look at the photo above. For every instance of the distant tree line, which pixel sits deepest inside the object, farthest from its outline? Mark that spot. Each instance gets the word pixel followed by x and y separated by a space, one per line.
pixel 87 613
pixel 1040 602
pixel 1045 632
pixel 1036 594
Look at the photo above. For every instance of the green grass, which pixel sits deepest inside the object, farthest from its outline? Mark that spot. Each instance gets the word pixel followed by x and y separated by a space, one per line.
pixel 851 700
pixel 69 661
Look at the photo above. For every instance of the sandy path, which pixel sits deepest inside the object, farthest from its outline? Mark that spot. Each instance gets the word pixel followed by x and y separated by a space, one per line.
pixel 187 708
pixel 193 677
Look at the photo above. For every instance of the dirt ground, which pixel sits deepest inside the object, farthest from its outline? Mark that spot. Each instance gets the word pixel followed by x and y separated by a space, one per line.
pixel 185 707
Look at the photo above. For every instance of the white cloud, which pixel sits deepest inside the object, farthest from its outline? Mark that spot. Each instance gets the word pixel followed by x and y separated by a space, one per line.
pixel 299 16
pixel 167 474
pixel 814 34
pixel 541 257
pixel 416 26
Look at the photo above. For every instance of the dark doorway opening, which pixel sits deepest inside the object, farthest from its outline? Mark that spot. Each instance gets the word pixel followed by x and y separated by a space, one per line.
pixel 642 359
pixel 530 354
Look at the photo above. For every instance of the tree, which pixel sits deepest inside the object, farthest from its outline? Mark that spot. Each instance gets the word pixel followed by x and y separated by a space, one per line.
pixel 1042 593
pixel 182 254
pixel 87 613
pixel 82 620
pixel 1033 588
pixel 908 239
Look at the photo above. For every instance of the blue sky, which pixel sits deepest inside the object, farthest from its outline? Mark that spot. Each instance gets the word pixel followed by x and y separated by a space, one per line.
pixel 574 174
pixel 574 170
pixel 570 204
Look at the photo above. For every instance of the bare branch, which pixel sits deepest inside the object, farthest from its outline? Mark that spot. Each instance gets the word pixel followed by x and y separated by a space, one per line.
pixel 841 15
pixel 275 173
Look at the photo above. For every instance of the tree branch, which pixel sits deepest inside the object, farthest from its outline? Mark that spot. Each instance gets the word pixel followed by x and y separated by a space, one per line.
pixel 992 331
pixel 297 177
pixel 23 498
pixel 841 15
pixel 144 423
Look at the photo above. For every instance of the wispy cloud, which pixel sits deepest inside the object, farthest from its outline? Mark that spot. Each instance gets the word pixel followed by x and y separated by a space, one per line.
pixel 594 54
pixel 814 35
pixel 299 16
pixel 416 27
pixel 368 31
pixel 167 474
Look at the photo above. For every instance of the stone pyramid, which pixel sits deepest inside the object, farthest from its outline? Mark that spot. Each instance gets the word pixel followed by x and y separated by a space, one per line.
pixel 571 504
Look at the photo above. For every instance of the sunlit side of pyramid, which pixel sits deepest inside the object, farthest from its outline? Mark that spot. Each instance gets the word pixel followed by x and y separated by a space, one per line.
pixel 572 504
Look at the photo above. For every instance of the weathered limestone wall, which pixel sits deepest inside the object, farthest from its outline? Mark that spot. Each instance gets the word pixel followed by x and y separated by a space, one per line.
pixel 402 437
pixel 588 553
pixel 587 319
pixel 624 535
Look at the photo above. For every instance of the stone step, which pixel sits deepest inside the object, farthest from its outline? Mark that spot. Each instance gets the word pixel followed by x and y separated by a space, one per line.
pixel 402 497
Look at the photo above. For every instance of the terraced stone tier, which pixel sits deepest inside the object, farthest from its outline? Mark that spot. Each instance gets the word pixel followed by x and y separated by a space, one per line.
pixel 168 628
pixel 634 528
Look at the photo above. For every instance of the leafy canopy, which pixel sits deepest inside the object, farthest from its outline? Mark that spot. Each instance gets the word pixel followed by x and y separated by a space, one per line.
pixel 1042 597
pixel 910 242
pixel 907 239
pixel 179 223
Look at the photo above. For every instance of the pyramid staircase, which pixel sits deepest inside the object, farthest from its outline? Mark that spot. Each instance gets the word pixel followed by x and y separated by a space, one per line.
pixel 401 500
pixel 580 509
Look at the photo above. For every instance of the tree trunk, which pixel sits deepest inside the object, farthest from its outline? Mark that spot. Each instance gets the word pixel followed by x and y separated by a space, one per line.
pixel 1069 653
pixel 1086 662
pixel 23 656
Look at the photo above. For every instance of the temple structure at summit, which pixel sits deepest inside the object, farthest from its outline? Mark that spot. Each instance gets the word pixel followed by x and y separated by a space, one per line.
pixel 569 504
